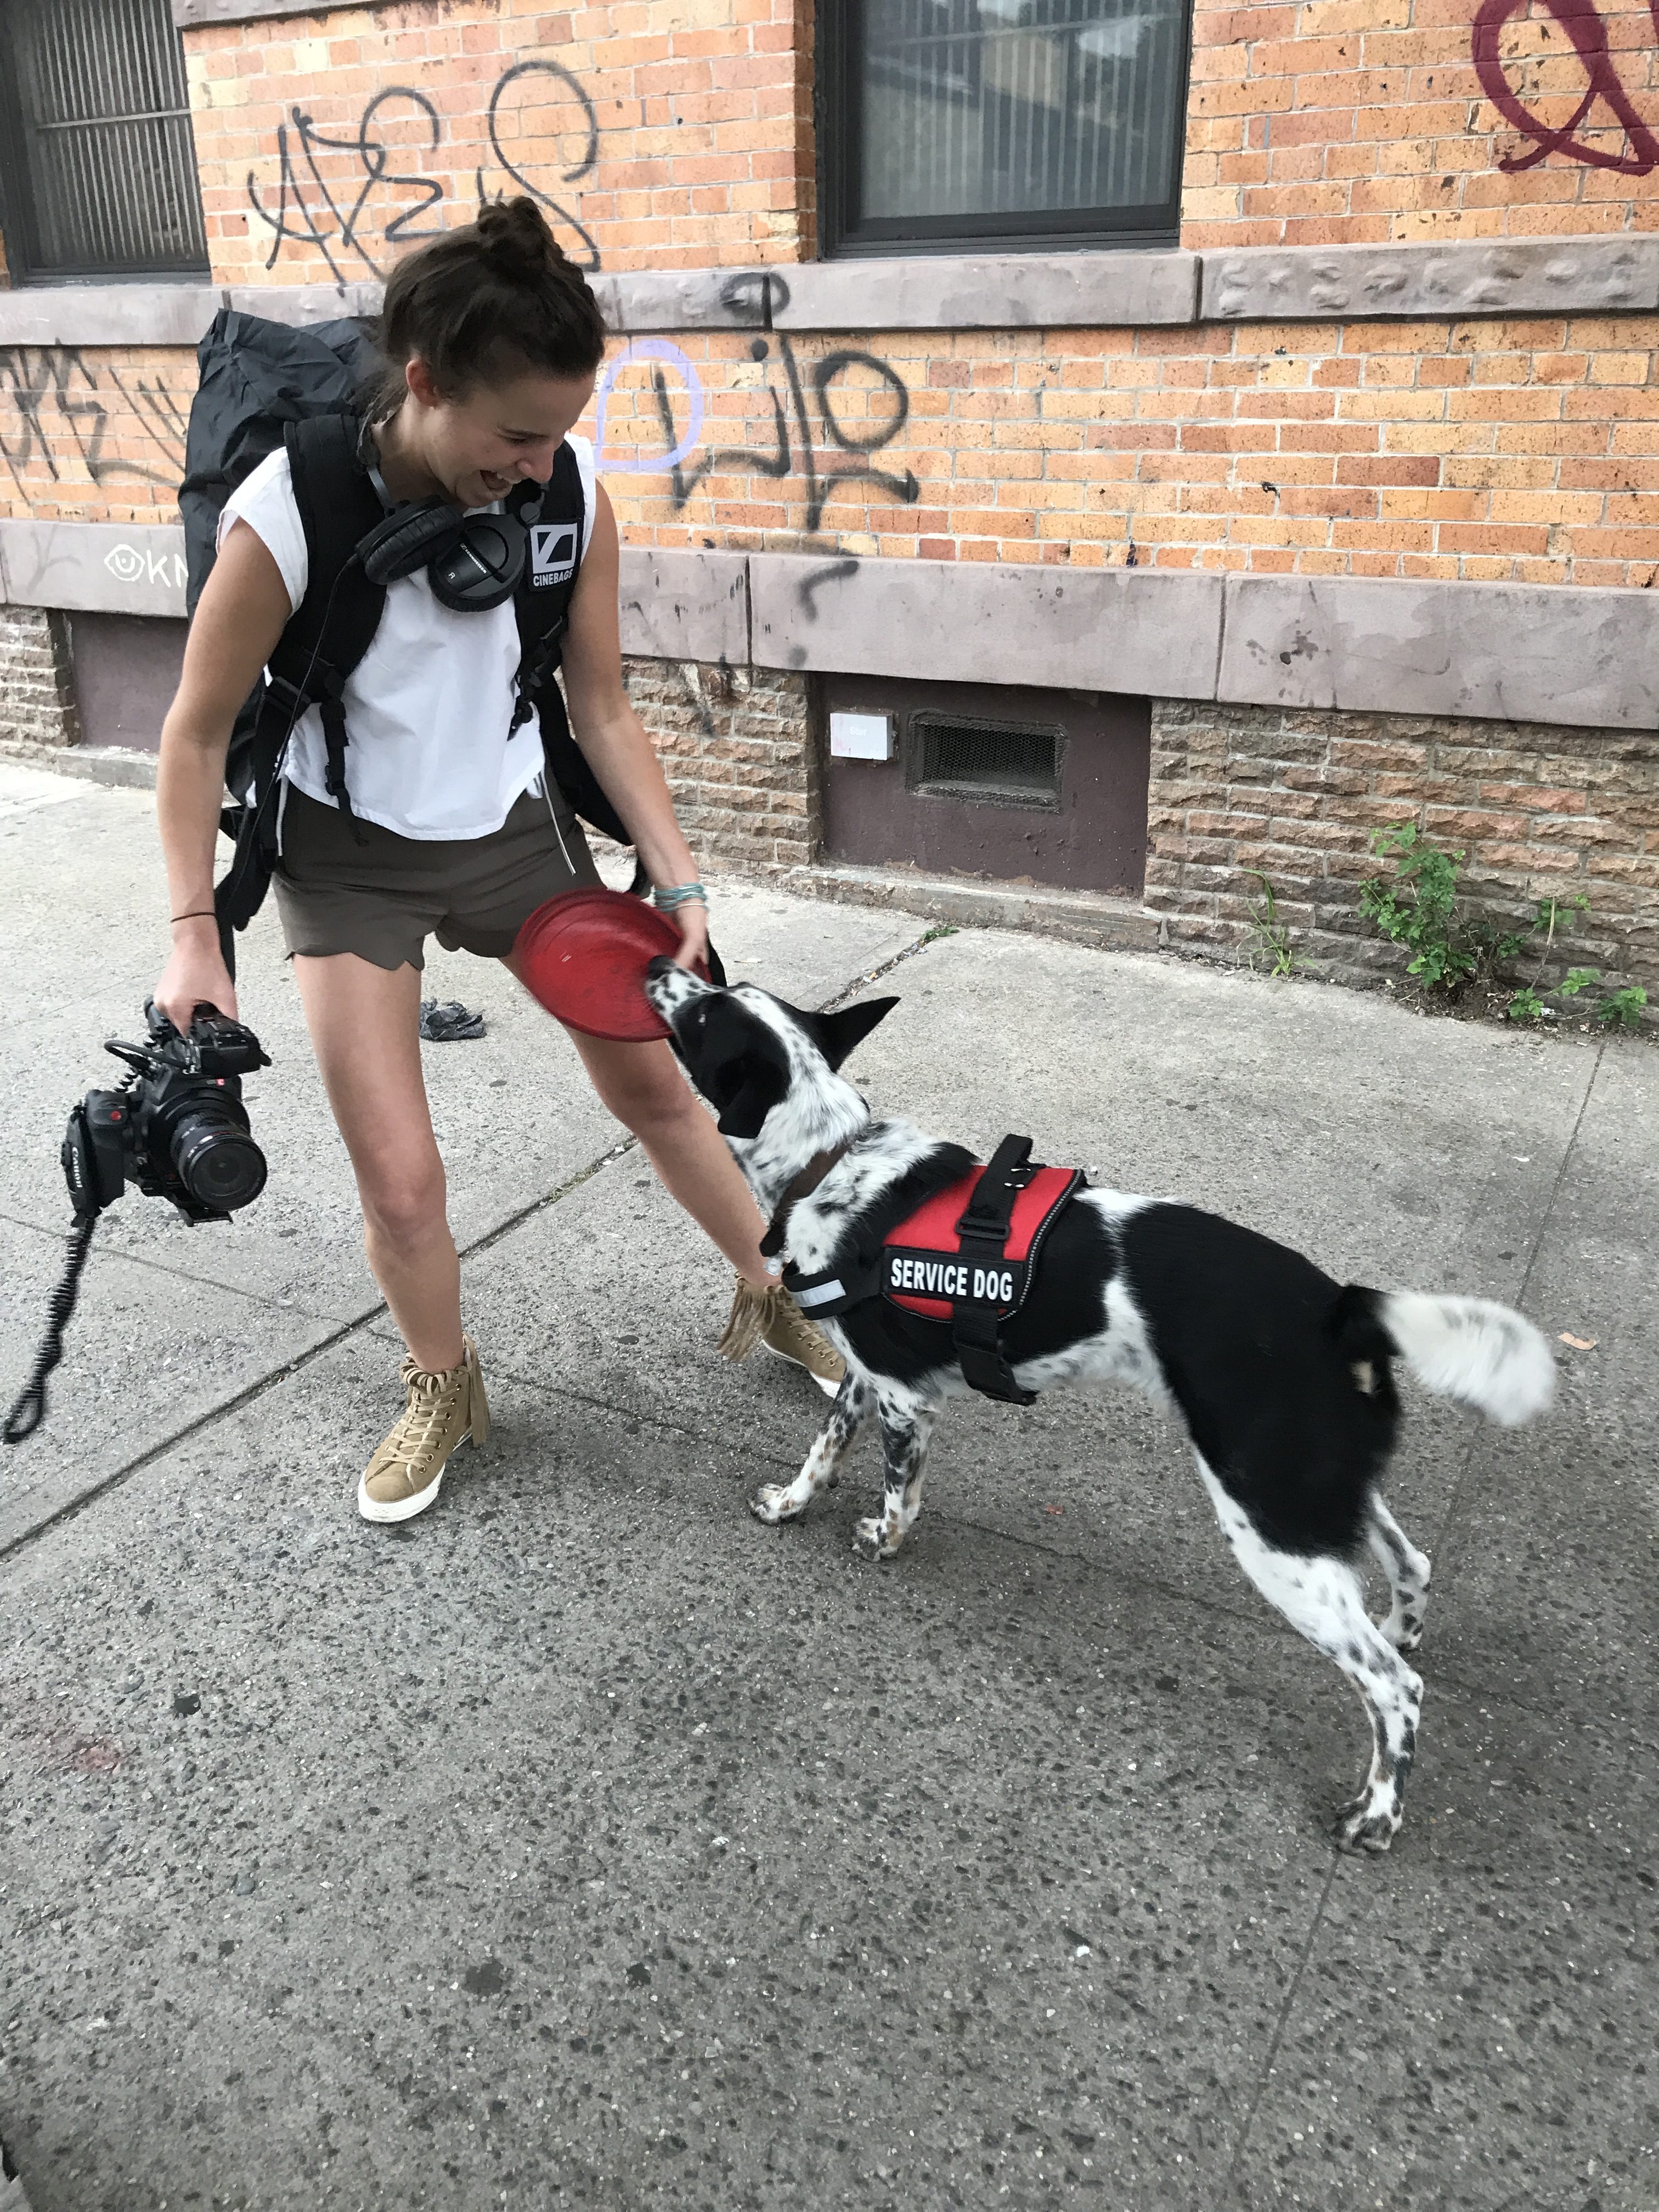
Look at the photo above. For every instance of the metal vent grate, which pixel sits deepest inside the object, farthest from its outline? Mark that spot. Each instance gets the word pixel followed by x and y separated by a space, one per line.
pixel 1001 763
pixel 100 168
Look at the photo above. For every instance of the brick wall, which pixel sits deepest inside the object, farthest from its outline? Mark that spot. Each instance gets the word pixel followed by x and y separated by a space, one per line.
pixel 670 133
pixel 1539 812
pixel 1357 120
pixel 37 696
pixel 688 124
pixel 736 746
pixel 93 434
pixel 1493 451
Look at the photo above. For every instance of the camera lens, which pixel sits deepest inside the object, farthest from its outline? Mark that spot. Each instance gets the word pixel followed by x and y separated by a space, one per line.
pixel 219 1165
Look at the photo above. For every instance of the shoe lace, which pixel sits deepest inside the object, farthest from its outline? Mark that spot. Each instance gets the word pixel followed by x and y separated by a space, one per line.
pixel 430 1398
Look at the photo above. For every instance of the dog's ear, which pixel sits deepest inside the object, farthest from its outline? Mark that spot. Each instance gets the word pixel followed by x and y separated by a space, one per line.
pixel 838 1035
pixel 753 1085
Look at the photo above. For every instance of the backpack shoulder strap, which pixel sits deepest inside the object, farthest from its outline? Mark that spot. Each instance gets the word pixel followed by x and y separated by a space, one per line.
pixel 333 626
pixel 543 605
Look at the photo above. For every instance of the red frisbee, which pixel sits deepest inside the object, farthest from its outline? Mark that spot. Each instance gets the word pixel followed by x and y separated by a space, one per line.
pixel 584 956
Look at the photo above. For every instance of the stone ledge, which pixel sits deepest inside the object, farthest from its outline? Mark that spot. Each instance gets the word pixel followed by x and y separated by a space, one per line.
pixel 944 291
pixel 1145 289
pixel 1548 653
pixel 186 13
pixel 970 622
pixel 106 314
pixel 1503 276
pixel 94 568
pixel 1084 917
pixel 1580 655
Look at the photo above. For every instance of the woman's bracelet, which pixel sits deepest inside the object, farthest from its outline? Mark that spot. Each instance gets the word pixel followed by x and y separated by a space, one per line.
pixel 196 914
pixel 667 897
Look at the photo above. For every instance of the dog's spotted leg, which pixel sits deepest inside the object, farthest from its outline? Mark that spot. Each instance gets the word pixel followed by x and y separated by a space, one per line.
pixel 1322 1598
pixel 782 1501
pixel 1407 1570
pixel 905 1430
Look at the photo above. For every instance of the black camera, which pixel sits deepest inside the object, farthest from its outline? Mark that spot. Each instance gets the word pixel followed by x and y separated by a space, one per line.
pixel 177 1127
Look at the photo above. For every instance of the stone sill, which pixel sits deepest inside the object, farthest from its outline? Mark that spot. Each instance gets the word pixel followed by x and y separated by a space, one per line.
pixel 1144 287
pixel 1578 654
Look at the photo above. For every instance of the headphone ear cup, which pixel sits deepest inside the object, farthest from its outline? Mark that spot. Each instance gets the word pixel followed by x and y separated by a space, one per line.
pixel 483 567
pixel 409 537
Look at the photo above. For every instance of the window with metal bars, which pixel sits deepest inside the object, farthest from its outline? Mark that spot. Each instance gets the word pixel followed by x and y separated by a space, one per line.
pixel 950 123
pixel 97 161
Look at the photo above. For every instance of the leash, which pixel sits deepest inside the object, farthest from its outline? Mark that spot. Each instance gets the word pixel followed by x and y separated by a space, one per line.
pixel 801 1186
pixel 29 1410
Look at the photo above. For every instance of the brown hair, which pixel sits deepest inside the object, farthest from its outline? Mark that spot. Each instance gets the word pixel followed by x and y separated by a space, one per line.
pixel 485 303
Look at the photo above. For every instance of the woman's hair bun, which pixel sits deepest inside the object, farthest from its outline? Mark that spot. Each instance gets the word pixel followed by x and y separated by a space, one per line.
pixel 516 241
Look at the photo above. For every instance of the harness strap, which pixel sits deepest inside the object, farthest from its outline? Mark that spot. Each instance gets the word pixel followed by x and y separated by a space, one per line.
pixel 975 1326
pixel 857 1274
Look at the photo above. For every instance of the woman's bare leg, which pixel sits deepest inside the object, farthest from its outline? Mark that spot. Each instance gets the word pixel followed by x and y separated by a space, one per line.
pixel 365 1024
pixel 643 1086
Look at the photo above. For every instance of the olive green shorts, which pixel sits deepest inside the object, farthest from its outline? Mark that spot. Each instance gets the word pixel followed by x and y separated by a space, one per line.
pixel 382 897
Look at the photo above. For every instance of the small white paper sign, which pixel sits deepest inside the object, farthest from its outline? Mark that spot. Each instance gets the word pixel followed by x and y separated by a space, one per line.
pixel 861 737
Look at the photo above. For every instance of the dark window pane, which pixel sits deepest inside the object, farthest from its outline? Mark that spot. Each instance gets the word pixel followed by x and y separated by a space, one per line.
pixel 100 163
pixel 1004 112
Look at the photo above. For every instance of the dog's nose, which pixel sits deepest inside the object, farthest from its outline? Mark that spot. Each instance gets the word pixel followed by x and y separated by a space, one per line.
pixel 660 965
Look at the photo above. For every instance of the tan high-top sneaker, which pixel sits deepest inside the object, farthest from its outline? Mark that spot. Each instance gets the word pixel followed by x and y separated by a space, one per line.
pixel 444 1410
pixel 771 1319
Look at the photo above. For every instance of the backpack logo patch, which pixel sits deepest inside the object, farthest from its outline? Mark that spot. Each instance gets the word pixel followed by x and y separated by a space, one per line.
pixel 552 552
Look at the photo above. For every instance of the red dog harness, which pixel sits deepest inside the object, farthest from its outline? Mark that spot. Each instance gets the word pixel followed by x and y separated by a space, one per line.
pixel 967 1256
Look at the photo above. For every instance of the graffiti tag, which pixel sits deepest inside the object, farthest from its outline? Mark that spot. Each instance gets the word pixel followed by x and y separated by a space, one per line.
pixel 1589 35
pixel 61 415
pixel 791 421
pixel 307 212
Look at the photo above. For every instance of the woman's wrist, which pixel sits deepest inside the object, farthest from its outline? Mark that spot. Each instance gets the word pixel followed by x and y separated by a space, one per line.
pixel 669 898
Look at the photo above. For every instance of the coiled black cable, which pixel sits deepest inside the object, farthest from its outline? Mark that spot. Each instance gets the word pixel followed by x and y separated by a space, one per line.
pixel 29 1410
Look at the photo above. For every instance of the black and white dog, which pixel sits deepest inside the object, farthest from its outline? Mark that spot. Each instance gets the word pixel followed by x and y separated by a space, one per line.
pixel 1284 1377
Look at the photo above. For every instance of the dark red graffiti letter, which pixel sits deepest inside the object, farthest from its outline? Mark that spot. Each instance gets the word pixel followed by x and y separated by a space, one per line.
pixel 1588 34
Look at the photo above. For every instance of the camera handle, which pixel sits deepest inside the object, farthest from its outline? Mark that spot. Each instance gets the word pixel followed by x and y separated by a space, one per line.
pixel 27 1414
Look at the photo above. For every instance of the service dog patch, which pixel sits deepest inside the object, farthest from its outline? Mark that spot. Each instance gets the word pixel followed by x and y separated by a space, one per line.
pixel 922 1268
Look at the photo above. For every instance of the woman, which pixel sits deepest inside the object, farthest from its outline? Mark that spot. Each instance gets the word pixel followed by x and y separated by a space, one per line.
pixel 493 340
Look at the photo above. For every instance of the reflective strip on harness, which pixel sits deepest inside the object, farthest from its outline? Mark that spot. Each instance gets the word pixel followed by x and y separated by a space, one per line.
pixel 922 1271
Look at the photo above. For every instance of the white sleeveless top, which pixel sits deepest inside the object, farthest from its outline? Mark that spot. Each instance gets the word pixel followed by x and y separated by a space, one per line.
pixel 427 707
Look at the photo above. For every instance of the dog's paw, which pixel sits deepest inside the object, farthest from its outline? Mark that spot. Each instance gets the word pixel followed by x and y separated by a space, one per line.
pixel 775 1501
pixel 1360 1828
pixel 872 1541
pixel 1404 1635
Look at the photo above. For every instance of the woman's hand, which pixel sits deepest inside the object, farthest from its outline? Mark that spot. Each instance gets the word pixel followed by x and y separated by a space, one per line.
pixel 196 974
pixel 693 919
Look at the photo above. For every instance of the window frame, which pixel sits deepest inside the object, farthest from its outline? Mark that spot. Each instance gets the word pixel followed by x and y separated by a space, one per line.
pixel 21 224
pixel 846 234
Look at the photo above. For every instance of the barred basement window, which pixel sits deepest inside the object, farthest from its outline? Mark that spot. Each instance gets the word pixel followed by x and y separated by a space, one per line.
pixel 948 123
pixel 998 764
pixel 97 160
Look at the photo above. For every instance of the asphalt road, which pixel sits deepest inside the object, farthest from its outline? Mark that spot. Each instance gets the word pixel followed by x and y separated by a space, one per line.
pixel 585 1843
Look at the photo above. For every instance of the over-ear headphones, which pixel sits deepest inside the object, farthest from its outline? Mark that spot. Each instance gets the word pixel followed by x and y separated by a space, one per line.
pixel 474 560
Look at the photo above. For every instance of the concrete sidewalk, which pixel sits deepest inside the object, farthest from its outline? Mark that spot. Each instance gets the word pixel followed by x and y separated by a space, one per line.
pixel 584 1843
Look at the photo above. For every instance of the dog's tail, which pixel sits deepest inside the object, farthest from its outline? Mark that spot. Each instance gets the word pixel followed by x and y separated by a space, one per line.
pixel 1469 1349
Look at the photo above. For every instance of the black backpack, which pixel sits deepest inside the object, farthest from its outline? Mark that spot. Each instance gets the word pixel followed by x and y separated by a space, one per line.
pixel 264 385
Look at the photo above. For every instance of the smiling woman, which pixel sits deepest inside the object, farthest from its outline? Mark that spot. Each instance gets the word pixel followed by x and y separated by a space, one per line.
pixel 412 795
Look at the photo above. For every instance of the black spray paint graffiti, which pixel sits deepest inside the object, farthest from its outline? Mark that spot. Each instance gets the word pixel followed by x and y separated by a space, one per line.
pixel 59 412
pixel 307 212
pixel 757 299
